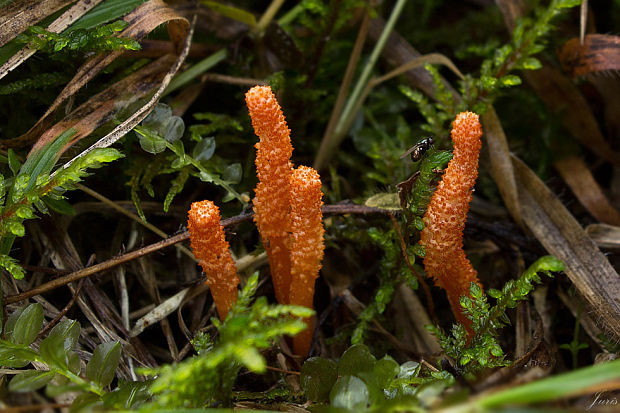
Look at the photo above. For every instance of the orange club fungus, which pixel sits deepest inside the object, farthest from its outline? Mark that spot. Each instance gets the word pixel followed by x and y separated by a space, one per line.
pixel 213 254
pixel 444 221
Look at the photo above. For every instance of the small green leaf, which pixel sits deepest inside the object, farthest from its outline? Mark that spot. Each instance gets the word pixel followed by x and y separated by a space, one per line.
pixel 251 358
pixel 204 150
pixel 232 173
pixel 15 227
pixel 55 348
pixel 409 369
pixel 318 376
pixel 14 163
pixel 173 129
pixel 28 325
pixel 87 402
pixel 152 143
pixel 349 392
pixel 356 359
pixel 102 366
pixel 30 380
pixel 24 212
pixel 385 371
pixel 127 395
pixel 59 205
pixel 531 63
pixel 510 80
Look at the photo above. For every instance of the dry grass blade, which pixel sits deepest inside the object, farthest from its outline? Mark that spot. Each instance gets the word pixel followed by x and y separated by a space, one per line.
pixel 561 235
pixel 21 14
pixel 143 112
pixel 501 165
pixel 604 235
pixel 61 23
pixel 141 21
pixel 103 107
pixel 598 53
pixel 398 51
pixel 576 174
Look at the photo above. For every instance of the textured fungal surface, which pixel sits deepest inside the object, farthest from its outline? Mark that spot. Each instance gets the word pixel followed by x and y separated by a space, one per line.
pixel 212 251
pixel 445 217
pixel 306 245
pixel 273 167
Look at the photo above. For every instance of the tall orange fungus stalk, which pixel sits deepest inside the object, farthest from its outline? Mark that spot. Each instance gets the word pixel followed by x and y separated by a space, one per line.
pixel 212 251
pixel 306 245
pixel 273 167
pixel 445 217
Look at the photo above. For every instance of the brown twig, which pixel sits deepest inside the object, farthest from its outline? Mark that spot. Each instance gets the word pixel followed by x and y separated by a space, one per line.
pixel 64 311
pixel 427 291
pixel 106 265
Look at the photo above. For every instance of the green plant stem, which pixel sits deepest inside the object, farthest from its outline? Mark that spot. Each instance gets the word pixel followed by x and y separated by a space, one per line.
pixel 91 387
pixel 213 178
pixel 267 17
pixel 329 147
pixel 199 68
pixel 290 15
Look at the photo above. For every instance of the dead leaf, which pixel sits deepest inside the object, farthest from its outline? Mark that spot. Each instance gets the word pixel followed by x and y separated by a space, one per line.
pixel 61 23
pixel 142 21
pixel 604 235
pixel 558 231
pixel 580 180
pixel 501 165
pixel 102 107
pixel 21 14
pixel 598 53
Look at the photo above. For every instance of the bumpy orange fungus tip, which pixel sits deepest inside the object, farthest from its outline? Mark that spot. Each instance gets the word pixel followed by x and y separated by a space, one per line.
pixel 212 251
pixel 307 246
pixel 445 217
pixel 273 167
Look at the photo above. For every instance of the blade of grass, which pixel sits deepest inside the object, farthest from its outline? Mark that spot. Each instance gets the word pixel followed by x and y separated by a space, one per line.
pixel 331 142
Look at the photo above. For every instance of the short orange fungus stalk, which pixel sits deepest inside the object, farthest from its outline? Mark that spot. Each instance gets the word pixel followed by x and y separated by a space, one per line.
pixel 306 245
pixel 273 167
pixel 445 217
pixel 212 251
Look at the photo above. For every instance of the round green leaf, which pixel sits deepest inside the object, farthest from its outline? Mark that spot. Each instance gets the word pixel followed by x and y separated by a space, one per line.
pixel 318 376
pixel 232 173
pixel 385 371
pixel 152 143
pixel 173 129
pixel 204 150
pixel 349 392
pixel 356 359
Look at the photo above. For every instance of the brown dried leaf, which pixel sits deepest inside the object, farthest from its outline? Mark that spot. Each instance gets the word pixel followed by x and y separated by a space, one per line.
pixel 102 107
pixel 604 235
pixel 61 23
pixel 558 231
pixel 21 14
pixel 141 21
pixel 599 52
pixel 501 165
pixel 577 175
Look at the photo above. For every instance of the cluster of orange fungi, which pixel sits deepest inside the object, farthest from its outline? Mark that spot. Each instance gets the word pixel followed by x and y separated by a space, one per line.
pixel 287 212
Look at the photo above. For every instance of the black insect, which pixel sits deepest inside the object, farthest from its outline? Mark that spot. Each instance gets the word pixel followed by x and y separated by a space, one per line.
pixel 419 149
